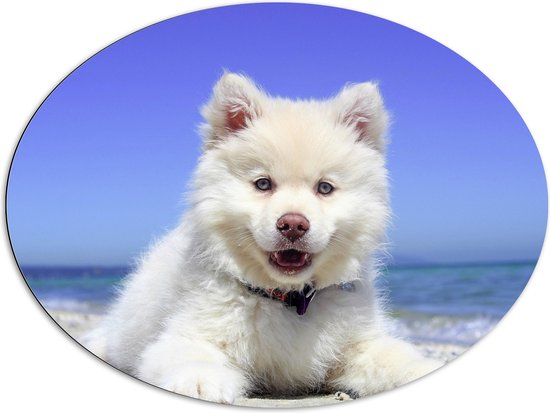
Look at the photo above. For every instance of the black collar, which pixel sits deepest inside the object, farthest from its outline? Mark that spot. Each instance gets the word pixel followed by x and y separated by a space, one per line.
pixel 298 299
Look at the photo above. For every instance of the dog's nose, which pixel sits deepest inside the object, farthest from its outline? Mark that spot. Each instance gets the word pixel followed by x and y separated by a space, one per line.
pixel 293 226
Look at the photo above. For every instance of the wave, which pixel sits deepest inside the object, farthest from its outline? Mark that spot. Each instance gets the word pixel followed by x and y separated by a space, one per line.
pixel 464 331
pixel 72 305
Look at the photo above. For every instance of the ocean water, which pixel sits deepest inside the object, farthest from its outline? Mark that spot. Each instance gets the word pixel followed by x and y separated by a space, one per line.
pixel 456 304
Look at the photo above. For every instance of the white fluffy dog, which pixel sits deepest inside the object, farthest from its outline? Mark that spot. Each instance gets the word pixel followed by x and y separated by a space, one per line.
pixel 267 285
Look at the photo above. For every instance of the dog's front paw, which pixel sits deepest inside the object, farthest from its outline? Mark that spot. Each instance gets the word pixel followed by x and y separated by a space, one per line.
pixel 420 368
pixel 379 365
pixel 207 381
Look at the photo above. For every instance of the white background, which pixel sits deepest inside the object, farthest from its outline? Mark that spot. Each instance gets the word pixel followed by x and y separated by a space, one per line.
pixel 41 368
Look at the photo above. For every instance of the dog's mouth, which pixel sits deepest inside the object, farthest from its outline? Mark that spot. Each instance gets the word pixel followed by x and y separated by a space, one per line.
pixel 290 261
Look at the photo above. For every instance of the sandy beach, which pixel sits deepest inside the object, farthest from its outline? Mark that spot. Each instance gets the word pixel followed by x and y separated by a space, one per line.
pixel 76 324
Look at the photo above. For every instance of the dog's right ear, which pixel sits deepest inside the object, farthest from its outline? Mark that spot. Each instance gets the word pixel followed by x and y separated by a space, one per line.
pixel 235 102
pixel 360 107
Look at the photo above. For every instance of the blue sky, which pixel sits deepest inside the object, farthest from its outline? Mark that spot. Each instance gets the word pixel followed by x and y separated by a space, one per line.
pixel 101 168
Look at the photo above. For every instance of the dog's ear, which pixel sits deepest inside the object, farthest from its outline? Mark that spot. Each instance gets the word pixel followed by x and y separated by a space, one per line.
pixel 360 107
pixel 235 102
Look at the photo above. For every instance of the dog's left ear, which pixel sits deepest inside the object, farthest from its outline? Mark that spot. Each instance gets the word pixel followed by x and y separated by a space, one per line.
pixel 360 107
pixel 235 103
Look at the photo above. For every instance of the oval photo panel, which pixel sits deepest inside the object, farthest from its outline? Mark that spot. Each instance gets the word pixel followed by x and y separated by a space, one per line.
pixel 360 205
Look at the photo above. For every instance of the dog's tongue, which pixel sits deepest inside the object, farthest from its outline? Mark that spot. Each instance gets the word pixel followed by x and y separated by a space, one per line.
pixel 289 258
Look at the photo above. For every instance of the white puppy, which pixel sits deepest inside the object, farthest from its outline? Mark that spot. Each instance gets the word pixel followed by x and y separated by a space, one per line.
pixel 289 204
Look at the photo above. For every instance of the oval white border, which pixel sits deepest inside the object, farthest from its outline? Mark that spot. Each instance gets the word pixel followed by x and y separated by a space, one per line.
pixel 46 40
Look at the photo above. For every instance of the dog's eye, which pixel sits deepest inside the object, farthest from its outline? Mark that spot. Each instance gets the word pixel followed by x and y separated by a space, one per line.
pixel 324 188
pixel 263 184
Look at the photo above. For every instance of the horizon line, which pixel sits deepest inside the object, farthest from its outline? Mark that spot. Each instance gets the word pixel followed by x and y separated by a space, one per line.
pixel 383 265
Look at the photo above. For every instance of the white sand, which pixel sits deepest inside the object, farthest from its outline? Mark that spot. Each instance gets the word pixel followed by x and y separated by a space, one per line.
pixel 77 324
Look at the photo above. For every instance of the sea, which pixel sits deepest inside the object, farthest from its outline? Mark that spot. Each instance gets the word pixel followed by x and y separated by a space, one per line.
pixel 452 304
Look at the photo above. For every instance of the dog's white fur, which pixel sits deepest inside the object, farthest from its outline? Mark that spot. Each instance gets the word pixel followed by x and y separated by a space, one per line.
pixel 185 320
